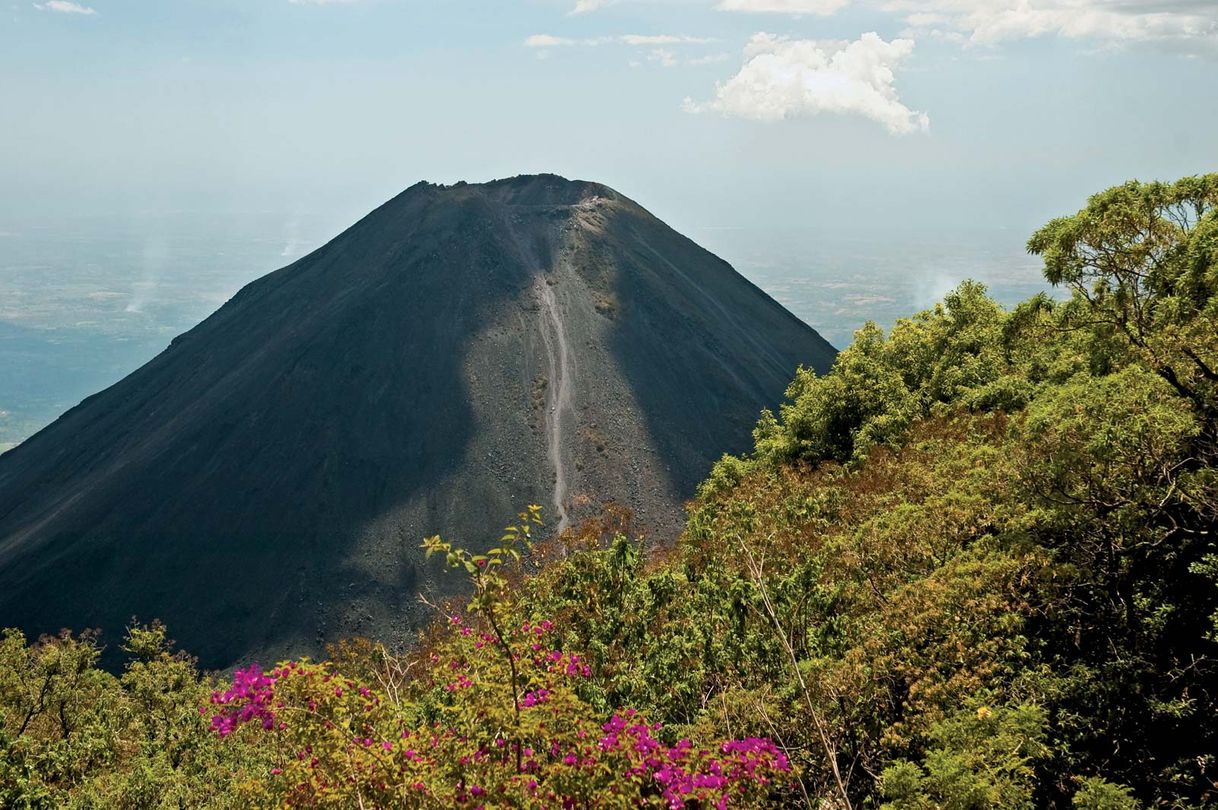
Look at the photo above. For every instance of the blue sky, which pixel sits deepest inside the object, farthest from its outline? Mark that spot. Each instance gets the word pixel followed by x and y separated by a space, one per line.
pixel 869 114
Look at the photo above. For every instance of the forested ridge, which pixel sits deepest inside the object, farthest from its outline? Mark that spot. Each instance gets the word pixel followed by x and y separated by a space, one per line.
pixel 973 566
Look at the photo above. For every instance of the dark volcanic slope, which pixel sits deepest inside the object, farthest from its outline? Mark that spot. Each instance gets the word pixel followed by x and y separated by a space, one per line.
pixel 264 483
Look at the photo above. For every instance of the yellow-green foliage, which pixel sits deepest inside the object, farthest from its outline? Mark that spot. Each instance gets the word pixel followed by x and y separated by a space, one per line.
pixel 978 757
pixel 74 735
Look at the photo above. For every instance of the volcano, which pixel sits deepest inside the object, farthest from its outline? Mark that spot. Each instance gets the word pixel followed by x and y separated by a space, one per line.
pixel 263 485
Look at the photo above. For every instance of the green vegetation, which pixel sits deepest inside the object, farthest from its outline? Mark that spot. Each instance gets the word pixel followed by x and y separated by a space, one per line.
pixel 973 566
pixel 77 736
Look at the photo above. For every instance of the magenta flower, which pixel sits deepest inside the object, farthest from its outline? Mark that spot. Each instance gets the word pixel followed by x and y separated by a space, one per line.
pixel 250 698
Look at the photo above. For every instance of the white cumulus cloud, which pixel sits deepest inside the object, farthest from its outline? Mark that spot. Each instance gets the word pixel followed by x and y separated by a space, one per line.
pixel 785 78
pixel 584 6
pixel 64 7
pixel 548 41
pixel 991 21
pixel 821 8
pixel 1193 23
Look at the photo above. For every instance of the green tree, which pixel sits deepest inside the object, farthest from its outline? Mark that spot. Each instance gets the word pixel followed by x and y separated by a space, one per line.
pixel 1142 261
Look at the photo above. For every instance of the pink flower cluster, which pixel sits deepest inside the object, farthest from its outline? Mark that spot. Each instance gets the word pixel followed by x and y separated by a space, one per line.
pixel 558 662
pixel 250 698
pixel 684 774
pixel 531 699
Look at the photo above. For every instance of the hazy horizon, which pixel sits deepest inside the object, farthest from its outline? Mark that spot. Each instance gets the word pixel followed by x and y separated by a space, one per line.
pixel 87 301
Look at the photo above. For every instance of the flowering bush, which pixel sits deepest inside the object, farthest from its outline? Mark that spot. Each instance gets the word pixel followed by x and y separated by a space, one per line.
pixel 456 741
pixel 493 718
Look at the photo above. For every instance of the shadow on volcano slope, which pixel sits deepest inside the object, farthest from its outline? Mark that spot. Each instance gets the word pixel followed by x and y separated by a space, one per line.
pixel 217 487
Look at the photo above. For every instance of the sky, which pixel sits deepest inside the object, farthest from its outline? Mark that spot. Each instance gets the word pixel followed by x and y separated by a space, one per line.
pixel 873 116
